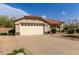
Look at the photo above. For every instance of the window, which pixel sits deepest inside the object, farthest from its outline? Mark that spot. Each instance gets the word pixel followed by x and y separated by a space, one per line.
pixel 25 24
pixel 37 24
pixel 34 24
pixel 28 25
pixel 22 24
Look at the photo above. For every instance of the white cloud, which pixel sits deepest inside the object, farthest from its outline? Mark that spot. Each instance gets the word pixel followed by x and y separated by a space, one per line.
pixel 44 16
pixel 64 13
pixel 7 10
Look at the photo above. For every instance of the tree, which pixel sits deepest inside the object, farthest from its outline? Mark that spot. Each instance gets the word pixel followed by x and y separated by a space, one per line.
pixel 6 22
pixel 71 26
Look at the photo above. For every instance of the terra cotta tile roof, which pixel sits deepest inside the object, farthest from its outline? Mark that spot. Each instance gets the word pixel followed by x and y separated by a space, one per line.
pixel 29 17
pixel 51 22
pixel 32 17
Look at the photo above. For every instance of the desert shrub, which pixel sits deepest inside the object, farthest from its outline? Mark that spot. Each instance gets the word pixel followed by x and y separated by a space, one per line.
pixel 53 30
pixel 12 31
pixel 6 22
pixel 66 28
pixel 63 30
pixel 48 32
pixel 16 51
pixel 77 30
pixel 3 33
pixel 70 31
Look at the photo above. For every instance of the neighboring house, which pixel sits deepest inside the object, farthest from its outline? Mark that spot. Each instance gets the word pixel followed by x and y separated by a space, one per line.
pixel 32 25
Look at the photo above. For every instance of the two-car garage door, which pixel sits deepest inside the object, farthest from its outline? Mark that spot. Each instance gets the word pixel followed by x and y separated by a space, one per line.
pixel 29 29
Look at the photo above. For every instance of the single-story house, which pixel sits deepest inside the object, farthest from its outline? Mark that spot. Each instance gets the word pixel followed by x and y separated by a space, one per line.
pixel 33 25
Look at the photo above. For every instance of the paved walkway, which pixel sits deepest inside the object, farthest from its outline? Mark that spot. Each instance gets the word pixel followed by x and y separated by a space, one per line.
pixel 47 44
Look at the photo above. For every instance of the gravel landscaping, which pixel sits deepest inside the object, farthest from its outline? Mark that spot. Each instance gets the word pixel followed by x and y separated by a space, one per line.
pixel 10 43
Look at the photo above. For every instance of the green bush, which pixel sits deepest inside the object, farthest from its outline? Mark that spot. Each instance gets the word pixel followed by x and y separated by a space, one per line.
pixel 53 30
pixel 70 31
pixel 16 51
pixel 3 33
pixel 12 31
pixel 77 30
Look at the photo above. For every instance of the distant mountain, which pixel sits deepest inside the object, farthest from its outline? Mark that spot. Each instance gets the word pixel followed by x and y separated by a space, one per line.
pixel 6 10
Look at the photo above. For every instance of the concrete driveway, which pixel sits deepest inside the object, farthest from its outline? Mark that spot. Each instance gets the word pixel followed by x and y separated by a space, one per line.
pixel 49 45
pixel 40 44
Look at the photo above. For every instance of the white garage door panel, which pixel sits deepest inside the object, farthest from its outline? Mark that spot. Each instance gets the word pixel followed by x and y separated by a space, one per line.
pixel 31 30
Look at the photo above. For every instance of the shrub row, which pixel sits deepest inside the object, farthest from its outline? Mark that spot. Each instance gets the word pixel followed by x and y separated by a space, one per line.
pixel 77 30
pixel 72 30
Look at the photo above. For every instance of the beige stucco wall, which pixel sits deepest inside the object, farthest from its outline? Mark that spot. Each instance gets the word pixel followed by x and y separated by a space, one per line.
pixel 17 27
pixel 47 28
pixel 61 27
pixel 28 21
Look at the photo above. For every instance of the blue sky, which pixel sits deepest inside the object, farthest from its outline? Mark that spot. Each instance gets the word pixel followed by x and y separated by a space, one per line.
pixel 59 11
